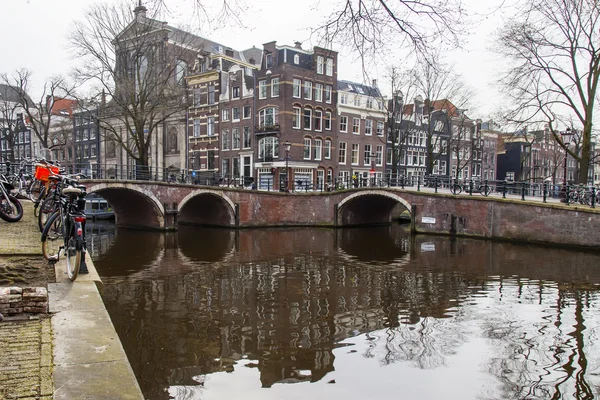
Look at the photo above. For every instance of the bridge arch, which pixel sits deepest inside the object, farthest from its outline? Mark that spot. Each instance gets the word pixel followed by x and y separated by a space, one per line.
pixel 207 207
pixel 369 207
pixel 133 205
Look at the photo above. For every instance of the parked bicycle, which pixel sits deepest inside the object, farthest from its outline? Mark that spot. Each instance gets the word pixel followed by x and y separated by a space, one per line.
pixel 482 188
pixel 11 209
pixel 64 232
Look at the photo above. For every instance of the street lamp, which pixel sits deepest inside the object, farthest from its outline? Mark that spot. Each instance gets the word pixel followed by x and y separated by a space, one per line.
pixel 567 137
pixel 287 145
pixel 372 171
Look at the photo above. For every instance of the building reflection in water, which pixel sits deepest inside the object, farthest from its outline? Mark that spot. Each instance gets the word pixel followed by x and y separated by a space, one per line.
pixel 285 302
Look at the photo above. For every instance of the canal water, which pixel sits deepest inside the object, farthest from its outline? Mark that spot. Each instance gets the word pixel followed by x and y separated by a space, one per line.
pixel 371 313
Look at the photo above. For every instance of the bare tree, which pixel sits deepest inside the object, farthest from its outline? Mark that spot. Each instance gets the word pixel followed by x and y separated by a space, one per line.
pixel 11 117
pixel 445 94
pixel 374 28
pixel 39 112
pixel 139 66
pixel 552 47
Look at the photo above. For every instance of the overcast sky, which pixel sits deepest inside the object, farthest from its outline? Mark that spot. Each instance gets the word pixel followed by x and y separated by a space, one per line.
pixel 35 36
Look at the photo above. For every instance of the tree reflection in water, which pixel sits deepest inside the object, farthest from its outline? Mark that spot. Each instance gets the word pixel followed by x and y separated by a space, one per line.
pixel 284 302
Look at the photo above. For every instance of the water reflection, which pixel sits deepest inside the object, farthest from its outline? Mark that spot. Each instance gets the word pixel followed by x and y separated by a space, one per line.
pixel 209 313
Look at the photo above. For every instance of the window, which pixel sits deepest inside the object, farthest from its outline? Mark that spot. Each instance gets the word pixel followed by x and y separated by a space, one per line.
pixel 297 84
pixel 355 151
pixel 247 137
pixel 211 94
pixel 356 126
pixel 318 149
pixel 197 97
pixel 180 71
pixel 262 89
pixel 236 166
pixel 368 127
pixel 196 127
pixel 269 60
pixel 247 112
pixel 327 94
pixel 342 153
pixel 211 159
pixel 327 149
pixel 356 101
pixel 268 117
pixel 344 99
pixel 235 114
pixel 296 59
pixel 318 120
pixel 225 166
pixel 210 126
pixel 296 118
pixel 367 154
pixel 275 87
pixel 379 128
pixel 319 92
pixel 225 114
pixel 343 123
pixel 307 143
pixel 235 92
pixel 388 157
pixel 308 90
pixel 320 62
pixel 307 118
pixel 329 67
pixel 268 148
pixel 225 139
pixel 379 155
pixel 235 138
pixel 369 102
pixel 327 120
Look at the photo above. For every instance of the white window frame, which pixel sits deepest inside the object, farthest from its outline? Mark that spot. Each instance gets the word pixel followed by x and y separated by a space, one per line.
pixel 297 115
pixel 320 64
pixel 355 125
pixel 318 117
pixel 304 119
pixel 297 88
pixel 308 87
pixel 225 114
pixel 355 154
pixel 328 94
pixel 327 149
pixel 307 148
pixel 344 122
pixel 262 89
pixel 329 67
pixel 318 149
pixel 327 120
pixel 319 92
pixel 342 153
pixel 197 129
pixel 369 127
pixel 274 84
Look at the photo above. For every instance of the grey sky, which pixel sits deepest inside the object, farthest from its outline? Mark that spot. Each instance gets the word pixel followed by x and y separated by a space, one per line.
pixel 36 32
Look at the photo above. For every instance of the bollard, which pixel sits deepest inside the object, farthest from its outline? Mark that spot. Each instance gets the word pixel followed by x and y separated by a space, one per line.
pixel 418 183
pixel 545 193
pixel 435 183
pixel 567 195
pixel 470 187
pixel 486 188
pixel 523 191
pixel 593 190
pixel 503 189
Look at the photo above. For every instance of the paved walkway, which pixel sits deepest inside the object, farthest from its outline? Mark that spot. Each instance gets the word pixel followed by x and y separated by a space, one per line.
pixel 73 354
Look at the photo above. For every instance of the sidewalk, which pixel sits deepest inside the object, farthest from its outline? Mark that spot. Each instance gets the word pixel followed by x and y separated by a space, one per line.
pixel 72 353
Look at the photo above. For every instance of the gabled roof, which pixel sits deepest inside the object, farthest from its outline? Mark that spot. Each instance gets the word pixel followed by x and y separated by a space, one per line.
pixel 11 94
pixel 359 88
pixel 63 107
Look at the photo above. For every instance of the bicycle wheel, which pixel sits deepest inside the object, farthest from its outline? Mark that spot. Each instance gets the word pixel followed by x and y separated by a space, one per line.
pixel 45 210
pixel 456 188
pixel 41 196
pixel 34 189
pixel 73 253
pixel 485 190
pixel 52 237
pixel 11 209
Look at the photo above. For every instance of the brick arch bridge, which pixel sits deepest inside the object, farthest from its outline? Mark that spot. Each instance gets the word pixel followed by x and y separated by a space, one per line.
pixel 159 205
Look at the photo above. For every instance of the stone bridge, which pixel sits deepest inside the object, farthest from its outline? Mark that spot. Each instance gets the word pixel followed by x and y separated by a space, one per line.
pixel 160 205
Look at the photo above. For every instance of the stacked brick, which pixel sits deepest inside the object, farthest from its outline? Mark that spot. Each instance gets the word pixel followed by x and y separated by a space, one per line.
pixel 27 300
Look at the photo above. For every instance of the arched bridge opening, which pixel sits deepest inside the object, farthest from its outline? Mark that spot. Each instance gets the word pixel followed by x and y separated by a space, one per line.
pixel 207 208
pixel 133 207
pixel 370 208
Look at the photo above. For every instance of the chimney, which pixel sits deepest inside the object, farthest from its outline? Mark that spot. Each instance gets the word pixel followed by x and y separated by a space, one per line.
pixel 229 52
pixel 374 83
pixel 140 11
pixel 298 45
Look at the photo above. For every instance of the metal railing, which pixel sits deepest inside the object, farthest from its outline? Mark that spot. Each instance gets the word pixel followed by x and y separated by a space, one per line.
pixel 546 191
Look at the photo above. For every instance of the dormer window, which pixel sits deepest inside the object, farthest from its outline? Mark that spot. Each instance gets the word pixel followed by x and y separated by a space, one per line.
pixel 269 60
pixel 296 59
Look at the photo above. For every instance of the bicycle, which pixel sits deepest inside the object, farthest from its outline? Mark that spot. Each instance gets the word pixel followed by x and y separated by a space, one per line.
pixel 483 189
pixel 64 230
pixel 11 209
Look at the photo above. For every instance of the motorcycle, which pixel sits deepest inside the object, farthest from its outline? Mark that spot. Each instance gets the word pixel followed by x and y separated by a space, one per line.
pixel 11 209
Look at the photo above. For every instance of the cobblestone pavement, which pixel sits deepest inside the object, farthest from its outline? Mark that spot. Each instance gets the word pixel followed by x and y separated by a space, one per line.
pixel 26 359
pixel 25 344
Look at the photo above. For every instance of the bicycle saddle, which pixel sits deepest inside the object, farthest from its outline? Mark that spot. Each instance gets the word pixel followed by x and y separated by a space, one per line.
pixel 72 190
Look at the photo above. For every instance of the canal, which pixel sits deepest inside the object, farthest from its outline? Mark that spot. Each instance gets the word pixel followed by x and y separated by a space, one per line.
pixel 370 313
